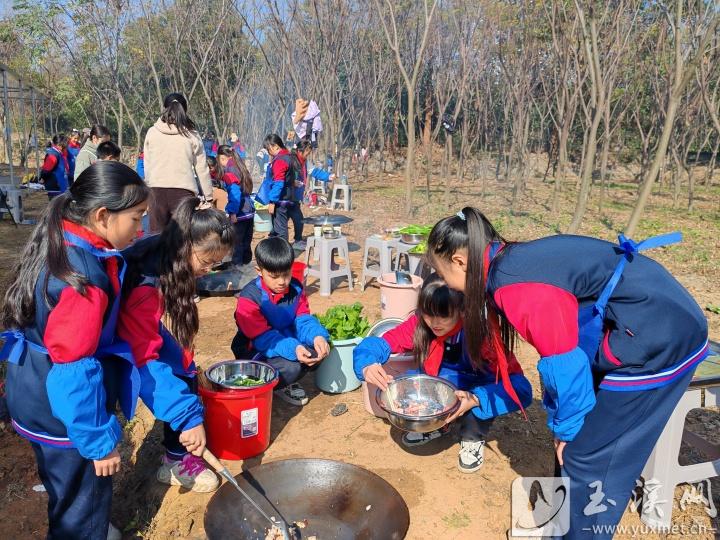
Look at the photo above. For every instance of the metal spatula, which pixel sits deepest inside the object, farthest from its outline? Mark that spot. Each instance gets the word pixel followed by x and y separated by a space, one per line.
pixel 222 471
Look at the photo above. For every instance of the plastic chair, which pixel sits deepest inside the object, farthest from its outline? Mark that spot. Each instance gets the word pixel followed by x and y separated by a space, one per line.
pixel 662 471
pixel 384 249
pixel 323 266
pixel 341 194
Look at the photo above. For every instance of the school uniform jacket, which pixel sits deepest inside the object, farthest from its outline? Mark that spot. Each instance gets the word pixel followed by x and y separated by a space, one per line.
pixel 277 323
pixel 158 356
pixel 282 174
pixel 65 396
pixel 239 203
pixel 654 332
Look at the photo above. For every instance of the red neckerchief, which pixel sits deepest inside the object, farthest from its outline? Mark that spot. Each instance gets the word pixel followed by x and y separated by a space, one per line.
pixel 501 370
pixel 437 350
pixel 111 263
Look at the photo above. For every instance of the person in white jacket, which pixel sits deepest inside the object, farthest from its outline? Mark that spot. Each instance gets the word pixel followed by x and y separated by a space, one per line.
pixel 175 163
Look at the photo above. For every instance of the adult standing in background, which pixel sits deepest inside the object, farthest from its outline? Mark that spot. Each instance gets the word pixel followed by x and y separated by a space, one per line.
pixel 174 155
pixel 88 153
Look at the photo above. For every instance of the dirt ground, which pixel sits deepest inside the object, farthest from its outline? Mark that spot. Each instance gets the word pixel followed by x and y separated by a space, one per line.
pixel 443 503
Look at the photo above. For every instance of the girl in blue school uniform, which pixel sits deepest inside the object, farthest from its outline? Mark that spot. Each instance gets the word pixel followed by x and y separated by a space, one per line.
pixel 161 282
pixel 240 207
pixel 60 314
pixel 435 335
pixel 619 339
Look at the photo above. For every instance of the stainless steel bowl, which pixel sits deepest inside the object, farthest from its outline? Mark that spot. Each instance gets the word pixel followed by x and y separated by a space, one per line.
pixel 384 325
pixel 219 375
pixel 434 398
pixel 331 235
pixel 413 239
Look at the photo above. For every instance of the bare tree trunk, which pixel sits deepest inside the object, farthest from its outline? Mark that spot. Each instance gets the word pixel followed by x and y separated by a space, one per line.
pixel 682 73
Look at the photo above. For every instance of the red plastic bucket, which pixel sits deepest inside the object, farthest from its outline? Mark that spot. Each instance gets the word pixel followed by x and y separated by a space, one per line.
pixel 237 422
pixel 298 271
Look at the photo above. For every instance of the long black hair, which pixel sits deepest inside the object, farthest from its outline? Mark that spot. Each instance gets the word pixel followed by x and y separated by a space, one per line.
pixel 175 113
pixel 273 138
pixel 246 183
pixel 99 131
pixel 108 184
pixel 193 226
pixel 60 140
pixel 473 232
pixel 436 299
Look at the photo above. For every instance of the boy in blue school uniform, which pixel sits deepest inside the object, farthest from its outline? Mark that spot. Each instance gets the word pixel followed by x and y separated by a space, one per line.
pixel 274 321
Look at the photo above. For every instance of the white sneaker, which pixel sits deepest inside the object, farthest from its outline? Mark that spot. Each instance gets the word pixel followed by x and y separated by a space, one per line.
pixel 471 456
pixel 293 394
pixel 190 473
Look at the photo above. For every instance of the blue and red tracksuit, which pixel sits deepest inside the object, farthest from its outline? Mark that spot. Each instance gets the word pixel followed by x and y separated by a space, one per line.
pixel 240 205
pixel 280 188
pixel 65 375
pixel 274 325
pixel 168 382
pixel 239 149
pixel 619 339
pixel 56 171
pixel 140 165
pixel 455 367
pixel 73 149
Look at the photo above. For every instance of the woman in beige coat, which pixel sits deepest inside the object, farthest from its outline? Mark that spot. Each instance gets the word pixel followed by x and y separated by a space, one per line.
pixel 175 165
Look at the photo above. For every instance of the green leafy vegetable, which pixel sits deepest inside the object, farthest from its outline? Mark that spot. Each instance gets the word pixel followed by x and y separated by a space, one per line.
pixel 416 229
pixel 420 249
pixel 245 381
pixel 345 322
pixel 713 308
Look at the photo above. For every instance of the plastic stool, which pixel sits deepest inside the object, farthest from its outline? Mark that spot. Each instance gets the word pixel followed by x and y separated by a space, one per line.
pixel 325 268
pixel 385 265
pixel 662 471
pixel 346 198
pixel 413 263
pixel 318 185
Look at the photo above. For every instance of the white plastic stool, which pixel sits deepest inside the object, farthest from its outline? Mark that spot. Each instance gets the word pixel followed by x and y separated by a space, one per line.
pixel 384 265
pixel 413 263
pixel 345 200
pixel 318 185
pixel 324 267
pixel 662 471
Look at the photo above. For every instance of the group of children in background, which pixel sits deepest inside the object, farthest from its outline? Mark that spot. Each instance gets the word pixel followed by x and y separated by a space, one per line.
pixel 67 157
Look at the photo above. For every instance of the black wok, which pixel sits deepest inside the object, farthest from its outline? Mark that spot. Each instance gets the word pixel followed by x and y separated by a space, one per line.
pixel 339 501
pixel 227 282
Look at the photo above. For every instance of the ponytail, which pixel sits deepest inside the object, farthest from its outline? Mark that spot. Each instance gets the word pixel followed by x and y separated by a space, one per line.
pixel 471 230
pixel 192 226
pixel 175 114
pixel 107 184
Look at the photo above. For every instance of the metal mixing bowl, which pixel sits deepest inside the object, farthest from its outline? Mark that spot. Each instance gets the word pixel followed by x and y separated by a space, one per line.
pixel 219 375
pixel 434 396
pixel 384 325
pixel 413 239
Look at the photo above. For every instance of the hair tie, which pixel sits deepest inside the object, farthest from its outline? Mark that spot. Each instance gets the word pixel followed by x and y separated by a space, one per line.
pixel 204 205
pixel 461 215
pixel 174 101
